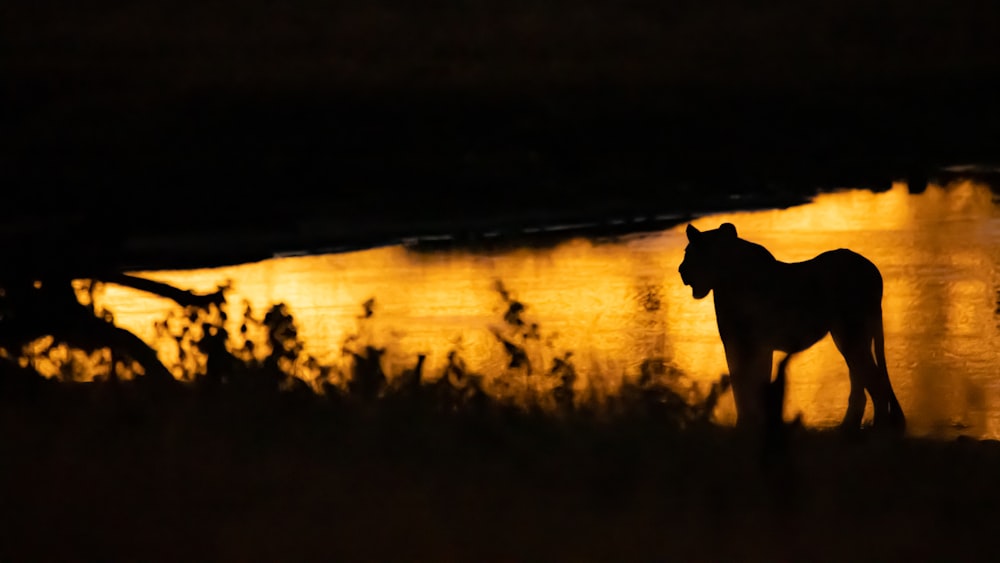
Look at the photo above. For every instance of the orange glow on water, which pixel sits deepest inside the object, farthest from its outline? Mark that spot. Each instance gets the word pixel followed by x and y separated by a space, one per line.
pixel 618 305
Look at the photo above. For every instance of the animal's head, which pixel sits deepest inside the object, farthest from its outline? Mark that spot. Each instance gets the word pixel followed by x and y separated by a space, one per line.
pixel 705 257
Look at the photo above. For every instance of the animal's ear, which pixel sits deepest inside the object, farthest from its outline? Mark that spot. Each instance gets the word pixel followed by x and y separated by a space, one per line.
pixel 692 232
pixel 728 229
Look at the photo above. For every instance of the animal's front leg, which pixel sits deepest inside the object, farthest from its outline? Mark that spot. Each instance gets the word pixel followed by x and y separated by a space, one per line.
pixel 750 374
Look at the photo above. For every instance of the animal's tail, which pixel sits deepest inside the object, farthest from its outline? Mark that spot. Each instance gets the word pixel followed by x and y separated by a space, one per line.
pixel 779 378
pixel 878 343
pixel 774 407
pixel 776 392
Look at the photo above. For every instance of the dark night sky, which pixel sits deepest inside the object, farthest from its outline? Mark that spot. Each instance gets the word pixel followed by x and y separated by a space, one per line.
pixel 149 52
pixel 387 110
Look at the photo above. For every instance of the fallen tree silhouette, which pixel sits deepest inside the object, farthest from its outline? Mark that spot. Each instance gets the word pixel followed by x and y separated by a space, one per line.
pixel 35 308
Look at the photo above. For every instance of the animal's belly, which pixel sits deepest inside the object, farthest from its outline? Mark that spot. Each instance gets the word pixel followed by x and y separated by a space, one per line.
pixel 788 321
pixel 790 334
pixel 796 343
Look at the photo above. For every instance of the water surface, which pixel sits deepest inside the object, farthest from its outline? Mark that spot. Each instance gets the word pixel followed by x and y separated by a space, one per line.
pixel 620 309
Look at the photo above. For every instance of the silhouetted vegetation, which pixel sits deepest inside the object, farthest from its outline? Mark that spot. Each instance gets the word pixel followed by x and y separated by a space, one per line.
pixel 197 351
pixel 256 451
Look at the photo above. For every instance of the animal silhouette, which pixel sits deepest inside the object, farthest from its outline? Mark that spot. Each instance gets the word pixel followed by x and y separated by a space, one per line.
pixel 763 305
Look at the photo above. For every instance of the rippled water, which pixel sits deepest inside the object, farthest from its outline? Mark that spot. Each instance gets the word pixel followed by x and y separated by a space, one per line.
pixel 619 306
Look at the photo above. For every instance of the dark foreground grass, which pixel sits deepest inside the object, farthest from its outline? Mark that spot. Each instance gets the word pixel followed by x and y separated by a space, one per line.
pixel 132 471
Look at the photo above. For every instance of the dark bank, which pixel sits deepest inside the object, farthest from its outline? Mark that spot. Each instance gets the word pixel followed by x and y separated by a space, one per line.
pixel 232 130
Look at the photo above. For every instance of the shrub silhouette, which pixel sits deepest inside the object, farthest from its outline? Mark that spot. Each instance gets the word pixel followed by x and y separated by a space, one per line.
pixel 266 356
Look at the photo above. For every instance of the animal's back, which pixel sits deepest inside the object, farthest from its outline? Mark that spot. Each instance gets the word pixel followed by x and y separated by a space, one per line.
pixel 848 280
pixel 805 300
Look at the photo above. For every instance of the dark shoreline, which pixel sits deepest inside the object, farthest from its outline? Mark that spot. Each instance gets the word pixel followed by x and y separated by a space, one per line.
pixel 218 247
pixel 532 229
pixel 227 189
pixel 488 234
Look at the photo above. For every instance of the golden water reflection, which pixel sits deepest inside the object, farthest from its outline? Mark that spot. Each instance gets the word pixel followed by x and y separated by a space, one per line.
pixel 617 305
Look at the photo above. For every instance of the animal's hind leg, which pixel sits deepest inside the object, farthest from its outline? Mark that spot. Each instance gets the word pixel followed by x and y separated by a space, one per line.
pixel 861 367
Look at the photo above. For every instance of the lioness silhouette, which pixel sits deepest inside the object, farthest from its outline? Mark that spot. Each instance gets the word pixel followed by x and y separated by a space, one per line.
pixel 763 305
